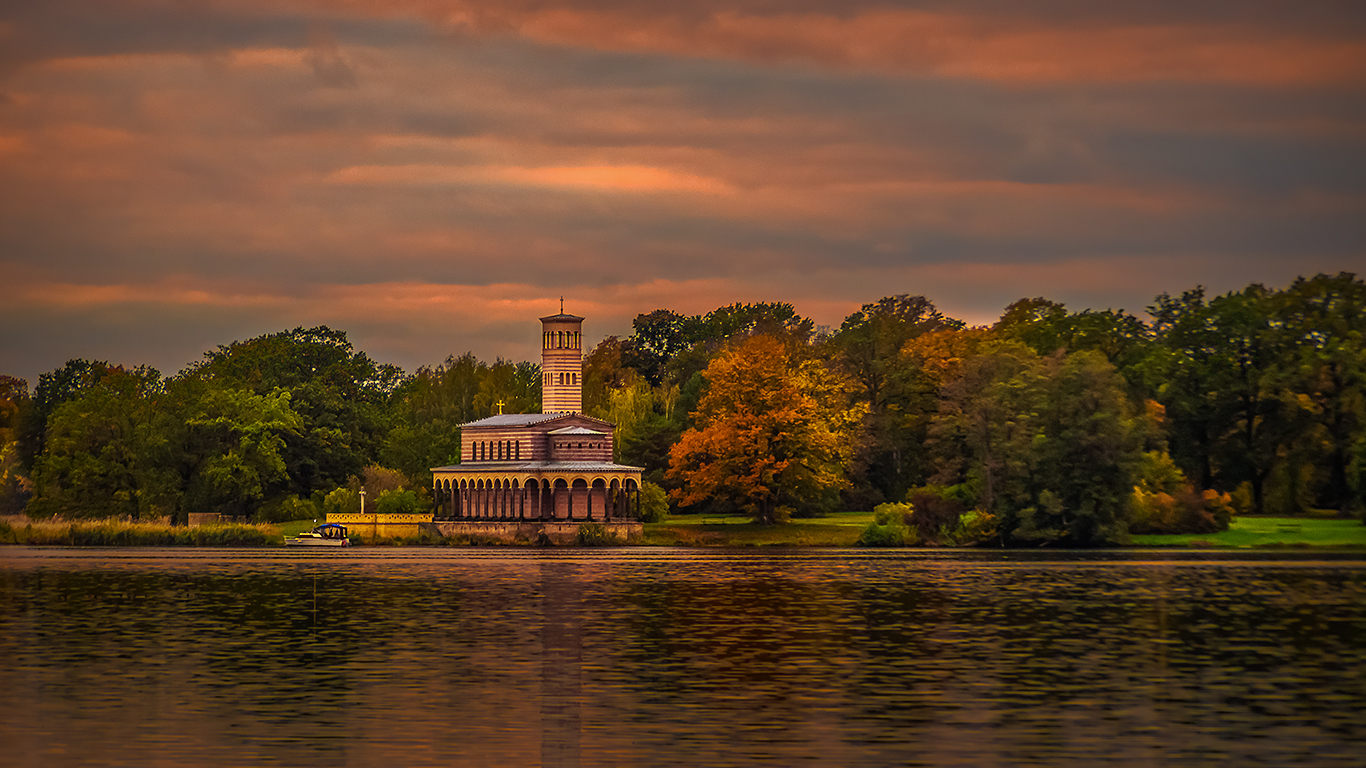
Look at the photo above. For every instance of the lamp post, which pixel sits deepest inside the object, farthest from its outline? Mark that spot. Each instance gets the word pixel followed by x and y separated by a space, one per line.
pixel 362 500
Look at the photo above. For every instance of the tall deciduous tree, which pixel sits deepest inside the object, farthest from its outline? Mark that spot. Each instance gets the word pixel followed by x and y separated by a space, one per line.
pixel 868 347
pixel 238 440
pixel 1053 444
pixel 15 406
pixel 1322 330
pixel 773 433
pixel 341 395
pixel 101 452
pixel 433 404
pixel 1193 379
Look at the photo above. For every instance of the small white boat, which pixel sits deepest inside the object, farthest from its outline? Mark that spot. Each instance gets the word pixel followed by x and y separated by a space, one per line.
pixel 325 535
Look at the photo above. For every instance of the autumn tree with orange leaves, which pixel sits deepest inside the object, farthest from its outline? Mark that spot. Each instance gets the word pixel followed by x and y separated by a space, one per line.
pixel 773 433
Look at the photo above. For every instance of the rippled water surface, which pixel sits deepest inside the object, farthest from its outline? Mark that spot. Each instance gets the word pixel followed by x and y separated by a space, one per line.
pixel 653 657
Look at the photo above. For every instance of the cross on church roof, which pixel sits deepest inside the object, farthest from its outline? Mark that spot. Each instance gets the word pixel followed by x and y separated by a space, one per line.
pixel 500 407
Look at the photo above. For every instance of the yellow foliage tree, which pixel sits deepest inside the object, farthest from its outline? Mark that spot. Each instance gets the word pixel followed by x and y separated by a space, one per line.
pixel 774 432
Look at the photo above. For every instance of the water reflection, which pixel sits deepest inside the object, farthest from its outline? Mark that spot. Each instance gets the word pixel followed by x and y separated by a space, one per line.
pixel 660 657
pixel 561 664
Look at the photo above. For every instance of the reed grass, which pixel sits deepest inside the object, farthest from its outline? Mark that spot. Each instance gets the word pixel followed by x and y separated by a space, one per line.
pixel 122 533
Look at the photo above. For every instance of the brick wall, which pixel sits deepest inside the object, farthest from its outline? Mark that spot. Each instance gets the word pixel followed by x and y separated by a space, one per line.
pixel 581 448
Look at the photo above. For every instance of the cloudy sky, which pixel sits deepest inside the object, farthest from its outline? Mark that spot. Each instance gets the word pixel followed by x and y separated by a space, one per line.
pixel 430 176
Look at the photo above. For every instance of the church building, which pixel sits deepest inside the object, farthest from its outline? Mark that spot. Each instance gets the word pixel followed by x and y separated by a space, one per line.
pixel 549 467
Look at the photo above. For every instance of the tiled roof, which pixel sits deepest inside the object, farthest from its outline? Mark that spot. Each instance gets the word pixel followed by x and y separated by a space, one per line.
pixel 514 419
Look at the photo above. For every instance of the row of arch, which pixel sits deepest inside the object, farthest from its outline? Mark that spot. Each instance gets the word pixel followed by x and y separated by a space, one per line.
pixel 560 379
pixel 561 339
pixel 537 500
pixel 496 450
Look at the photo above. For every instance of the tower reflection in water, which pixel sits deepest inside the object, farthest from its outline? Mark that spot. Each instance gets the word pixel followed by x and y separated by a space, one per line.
pixel 561 664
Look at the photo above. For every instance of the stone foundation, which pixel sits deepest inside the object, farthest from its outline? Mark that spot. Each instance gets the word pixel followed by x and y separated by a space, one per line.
pixel 560 533
pixel 372 526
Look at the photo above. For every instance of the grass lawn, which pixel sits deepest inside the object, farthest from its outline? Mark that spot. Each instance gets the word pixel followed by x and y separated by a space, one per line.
pixel 842 529
pixel 296 527
pixel 1267 532
pixel 839 529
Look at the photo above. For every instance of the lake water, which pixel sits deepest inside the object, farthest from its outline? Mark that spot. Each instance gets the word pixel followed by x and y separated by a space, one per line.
pixel 675 657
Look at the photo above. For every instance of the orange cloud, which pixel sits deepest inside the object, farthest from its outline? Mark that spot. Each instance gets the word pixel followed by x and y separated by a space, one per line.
pixel 1008 49
pixel 612 178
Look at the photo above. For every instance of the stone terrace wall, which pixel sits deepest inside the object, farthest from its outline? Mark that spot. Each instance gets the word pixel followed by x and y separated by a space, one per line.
pixel 626 532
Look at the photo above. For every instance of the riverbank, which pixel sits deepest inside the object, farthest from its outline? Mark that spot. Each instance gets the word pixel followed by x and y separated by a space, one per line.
pixel 119 533
pixel 1268 532
pixel 837 530
pixel 842 530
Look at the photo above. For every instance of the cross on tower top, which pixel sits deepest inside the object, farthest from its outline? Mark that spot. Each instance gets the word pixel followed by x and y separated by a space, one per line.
pixel 500 407
pixel 562 305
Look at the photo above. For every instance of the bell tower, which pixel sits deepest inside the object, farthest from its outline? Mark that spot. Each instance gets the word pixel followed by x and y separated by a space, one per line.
pixel 561 363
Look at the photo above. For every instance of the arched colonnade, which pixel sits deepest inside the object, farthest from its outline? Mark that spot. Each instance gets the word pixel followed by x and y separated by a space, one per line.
pixel 567 498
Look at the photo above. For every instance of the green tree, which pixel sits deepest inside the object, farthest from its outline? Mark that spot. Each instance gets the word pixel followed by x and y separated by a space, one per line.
pixel 430 407
pixel 238 439
pixel 1321 328
pixel 343 398
pixel 101 451
pixel 1253 363
pixel 654 503
pixel 54 388
pixel 773 433
pixel 658 338
pixel 868 348
pixel 1053 444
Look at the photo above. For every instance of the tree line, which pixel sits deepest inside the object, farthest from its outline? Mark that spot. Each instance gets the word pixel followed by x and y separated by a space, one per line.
pixel 277 427
pixel 1046 426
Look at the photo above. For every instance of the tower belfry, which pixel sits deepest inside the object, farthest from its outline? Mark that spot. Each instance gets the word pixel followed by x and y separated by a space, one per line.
pixel 561 363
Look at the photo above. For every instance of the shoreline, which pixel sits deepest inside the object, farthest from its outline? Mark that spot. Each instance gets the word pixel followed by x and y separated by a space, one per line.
pixel 703 532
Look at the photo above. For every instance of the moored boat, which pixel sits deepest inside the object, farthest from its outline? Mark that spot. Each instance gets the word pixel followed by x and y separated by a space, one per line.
pixel 325 535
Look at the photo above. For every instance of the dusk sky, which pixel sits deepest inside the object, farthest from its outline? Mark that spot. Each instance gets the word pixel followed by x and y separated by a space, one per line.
pixel 432 176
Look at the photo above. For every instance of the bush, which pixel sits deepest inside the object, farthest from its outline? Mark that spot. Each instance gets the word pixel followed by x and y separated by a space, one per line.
pixel 975 527
pixel 891 534
pixel 342 501
pixel 936 510
pixel 893 513
pixel 595 535
pixel 654 503
pixel 287 509
pixel 1184 511
pixel 890 527
pixel 396 503
pixel 376 480
pixel 1241 500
